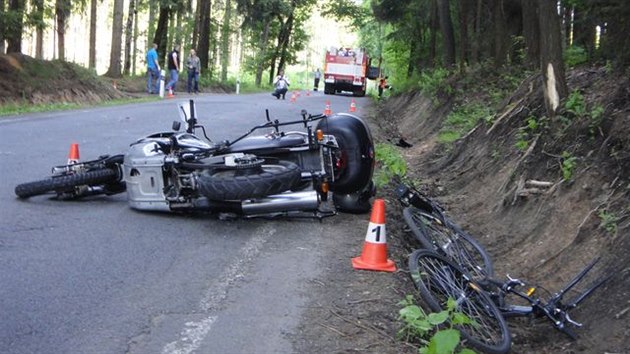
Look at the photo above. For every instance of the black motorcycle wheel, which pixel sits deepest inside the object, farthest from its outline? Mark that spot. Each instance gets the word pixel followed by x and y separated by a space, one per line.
pixel 67 182
pixel 236 184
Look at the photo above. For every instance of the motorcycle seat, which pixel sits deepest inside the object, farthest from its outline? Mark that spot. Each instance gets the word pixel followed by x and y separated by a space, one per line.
pixel 257 143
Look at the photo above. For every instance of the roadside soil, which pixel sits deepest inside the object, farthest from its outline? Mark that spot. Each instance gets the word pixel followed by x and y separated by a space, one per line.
pixel 542 236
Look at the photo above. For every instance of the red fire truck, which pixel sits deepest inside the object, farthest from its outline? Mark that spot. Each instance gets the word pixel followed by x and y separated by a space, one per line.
pixel 348 69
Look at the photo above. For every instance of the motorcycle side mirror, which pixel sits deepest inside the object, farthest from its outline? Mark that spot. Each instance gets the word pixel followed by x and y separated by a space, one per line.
pixel 176 125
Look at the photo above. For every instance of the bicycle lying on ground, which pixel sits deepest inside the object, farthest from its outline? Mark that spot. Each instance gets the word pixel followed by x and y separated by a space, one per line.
pixel 454 266
pixel 435 231
pixel 483 300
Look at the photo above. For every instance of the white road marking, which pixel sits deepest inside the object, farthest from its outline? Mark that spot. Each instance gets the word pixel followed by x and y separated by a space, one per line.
pixel 193 334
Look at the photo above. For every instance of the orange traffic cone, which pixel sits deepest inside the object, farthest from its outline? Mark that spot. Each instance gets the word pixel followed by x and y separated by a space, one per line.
pixel 308 92
pixel 73 155
pixel 327 110
pixel 293 97
pixel 374 255
pixel 170 93
pixel 353 106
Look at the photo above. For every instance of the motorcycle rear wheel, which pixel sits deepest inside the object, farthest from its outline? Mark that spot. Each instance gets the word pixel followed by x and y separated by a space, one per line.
pixel 232 184
pixel 66 182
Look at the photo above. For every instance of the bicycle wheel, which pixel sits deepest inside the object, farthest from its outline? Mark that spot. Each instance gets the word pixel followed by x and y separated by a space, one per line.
pixel 449 240
pixel 438 279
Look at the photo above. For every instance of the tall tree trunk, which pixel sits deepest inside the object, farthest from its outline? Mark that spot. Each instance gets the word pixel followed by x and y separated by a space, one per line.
pixel 448 34
pixel 134 51
pixel 262 52
pixel 203 47
pixel 153 9
pixel 434 29
pixel 500 33
pixel 225 40
pixel 552 66
pixel 14 29
pixel 117 32
pixel 62 11
pixel 2 27
pixel 161 34
pixel 196 25
pixel 476 44
pixel 93 22
pixel 463 33
pixel 129 36
pixel 531 33
pixel 38 17
pixel 286 38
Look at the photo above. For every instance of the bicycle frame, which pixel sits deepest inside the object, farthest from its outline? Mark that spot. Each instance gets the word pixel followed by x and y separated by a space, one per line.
pixel 553 309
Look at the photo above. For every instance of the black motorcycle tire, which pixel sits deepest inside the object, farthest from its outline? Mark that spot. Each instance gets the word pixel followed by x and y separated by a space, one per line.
pixel 271 178
pixel 67 182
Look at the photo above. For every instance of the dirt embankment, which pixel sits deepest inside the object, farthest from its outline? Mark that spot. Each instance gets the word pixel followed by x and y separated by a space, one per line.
pixel 547 232
pixel 26 80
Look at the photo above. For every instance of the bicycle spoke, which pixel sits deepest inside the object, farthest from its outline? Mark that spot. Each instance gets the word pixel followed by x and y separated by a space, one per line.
pixel 444 281
pixel 434 234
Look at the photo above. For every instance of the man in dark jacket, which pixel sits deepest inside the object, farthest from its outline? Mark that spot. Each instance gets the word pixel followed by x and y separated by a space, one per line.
pixel 173 68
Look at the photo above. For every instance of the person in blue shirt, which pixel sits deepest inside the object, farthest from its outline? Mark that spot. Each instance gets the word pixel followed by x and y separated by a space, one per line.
pixel 153 70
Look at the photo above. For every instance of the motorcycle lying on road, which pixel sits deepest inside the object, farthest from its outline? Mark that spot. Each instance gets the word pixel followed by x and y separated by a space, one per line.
pixel 294 173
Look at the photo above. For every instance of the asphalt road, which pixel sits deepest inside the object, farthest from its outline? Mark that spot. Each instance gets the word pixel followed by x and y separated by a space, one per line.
pixel 95 276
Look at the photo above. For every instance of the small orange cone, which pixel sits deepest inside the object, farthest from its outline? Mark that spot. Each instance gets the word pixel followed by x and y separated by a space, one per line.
pixel 73 155
pixel 353 106
pixel 170 93
pixel 293 97
pixel 327 110
pixel 374 255
pixel 308 92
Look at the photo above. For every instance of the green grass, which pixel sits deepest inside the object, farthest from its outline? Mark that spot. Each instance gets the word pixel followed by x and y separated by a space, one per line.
pixel 18 108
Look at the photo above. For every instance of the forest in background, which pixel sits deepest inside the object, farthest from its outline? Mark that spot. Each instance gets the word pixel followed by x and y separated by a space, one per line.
pixel 410 38
pixel 260 35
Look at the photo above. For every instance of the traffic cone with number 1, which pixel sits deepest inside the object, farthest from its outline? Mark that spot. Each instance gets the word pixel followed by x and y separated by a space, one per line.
pixel 374 255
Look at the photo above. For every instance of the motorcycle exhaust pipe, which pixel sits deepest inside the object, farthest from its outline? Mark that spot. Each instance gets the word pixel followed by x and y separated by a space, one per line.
pixel 291 201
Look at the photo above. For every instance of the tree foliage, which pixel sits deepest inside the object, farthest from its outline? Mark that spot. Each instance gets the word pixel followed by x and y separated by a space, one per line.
pixel 406 36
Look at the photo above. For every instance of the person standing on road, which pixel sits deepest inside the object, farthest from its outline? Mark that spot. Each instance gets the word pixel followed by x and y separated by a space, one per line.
pixel 318 76
pixel 173 68
pixel 382 84
pixel 153 70
pixel 193 65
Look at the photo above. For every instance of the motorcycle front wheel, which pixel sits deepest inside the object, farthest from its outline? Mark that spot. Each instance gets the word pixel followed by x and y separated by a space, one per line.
pixel 67 182
pixel 238 184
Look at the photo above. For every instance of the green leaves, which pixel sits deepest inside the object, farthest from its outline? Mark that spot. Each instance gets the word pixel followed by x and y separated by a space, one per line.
pixel 390 164
pixel 434 330
pixel 567 165
pixel 443 342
